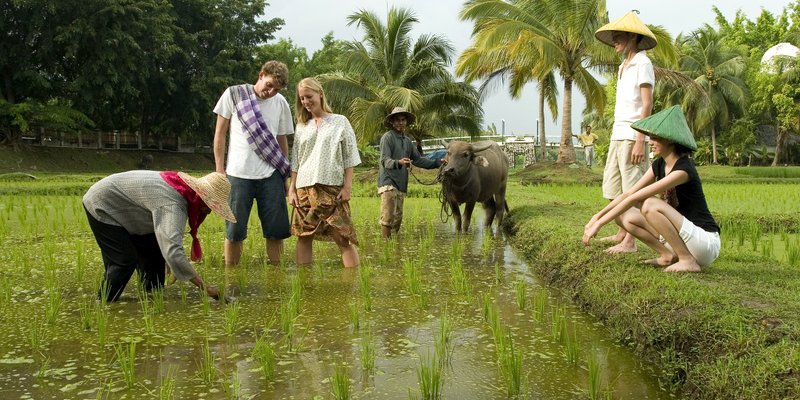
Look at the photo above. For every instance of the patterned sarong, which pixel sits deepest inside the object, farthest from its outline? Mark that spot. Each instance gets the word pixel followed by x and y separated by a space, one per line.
pixel 261 139
pixel 323 216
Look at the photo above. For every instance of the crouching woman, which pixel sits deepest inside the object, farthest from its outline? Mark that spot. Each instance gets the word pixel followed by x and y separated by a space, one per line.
pixel 677 224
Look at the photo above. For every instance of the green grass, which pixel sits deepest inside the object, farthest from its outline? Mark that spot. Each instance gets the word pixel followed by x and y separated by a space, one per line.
pixel 728 332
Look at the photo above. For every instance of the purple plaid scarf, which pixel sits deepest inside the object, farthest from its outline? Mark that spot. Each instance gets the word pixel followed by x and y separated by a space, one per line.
pixel 261 139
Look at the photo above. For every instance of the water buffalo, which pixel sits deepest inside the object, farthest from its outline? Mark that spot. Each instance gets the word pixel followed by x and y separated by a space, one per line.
pixel 475 172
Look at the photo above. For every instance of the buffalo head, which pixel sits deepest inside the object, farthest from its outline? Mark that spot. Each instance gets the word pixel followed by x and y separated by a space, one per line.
pixel 461 156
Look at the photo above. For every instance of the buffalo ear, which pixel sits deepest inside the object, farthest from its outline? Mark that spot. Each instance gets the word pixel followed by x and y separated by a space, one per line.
pixel 480 161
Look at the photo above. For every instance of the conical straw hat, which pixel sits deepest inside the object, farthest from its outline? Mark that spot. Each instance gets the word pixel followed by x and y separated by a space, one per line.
pixel 668 124
pixel 628 23
pixel 214 189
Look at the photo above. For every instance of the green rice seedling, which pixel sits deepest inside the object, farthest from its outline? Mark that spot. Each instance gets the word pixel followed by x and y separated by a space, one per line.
pixel 126 359
pixel 232 386
pixel 101 322
pixel 86 312
pixel 413 284
pixel 53 308
pixel 570 345
pixel 557 322
pixel 288 319
pixel 208 372
pixel 36 333
pixel 80 260
pixel 388 250
pixel 147 311
pixel 519 289
pixel 159 303
pixel 443 341
pixel 166 391
pixel 365 285
pixel 457 251
pixel 231 318
pixel 264 354
pixel 184 293
pixel 511 368
pixel 367 350
pixel 340 383
pixel 205 302
pixel 487 306
pixel 486 244
pixel 241 278
pixel 459 279
pixel 297 291
pixel 594 377
pixel 539 304
pixel 793 252
pixel 767 247
pixel 755 235
pixel 103 292
pixel 429 377
pixel 43 367
pixel 355 316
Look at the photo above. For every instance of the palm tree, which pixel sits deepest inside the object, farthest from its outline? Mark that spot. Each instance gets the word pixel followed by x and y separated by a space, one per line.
pixel 386 70
pixel 497 63
pixel 718 70
pixel 557 33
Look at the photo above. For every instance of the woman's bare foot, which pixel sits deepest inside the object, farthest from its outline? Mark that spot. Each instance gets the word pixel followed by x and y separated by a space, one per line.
pixel 684 266
pixel 663 261
pixel 612 238
pixel 621 248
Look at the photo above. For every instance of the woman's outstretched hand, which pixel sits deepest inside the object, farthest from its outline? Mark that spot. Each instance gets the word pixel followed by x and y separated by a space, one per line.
pixel 589 232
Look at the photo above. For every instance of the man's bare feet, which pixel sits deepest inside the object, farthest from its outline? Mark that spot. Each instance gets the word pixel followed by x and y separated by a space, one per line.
pixel 621 248
pixel 661 261
pixel 684 266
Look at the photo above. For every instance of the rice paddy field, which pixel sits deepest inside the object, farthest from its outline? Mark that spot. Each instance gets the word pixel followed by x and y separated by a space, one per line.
pixel 429 314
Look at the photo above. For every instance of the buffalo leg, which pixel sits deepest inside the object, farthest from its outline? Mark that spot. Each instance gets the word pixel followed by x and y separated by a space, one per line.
pixel 500 207
pixel 456 215
pixel 489 210
pixel 468 207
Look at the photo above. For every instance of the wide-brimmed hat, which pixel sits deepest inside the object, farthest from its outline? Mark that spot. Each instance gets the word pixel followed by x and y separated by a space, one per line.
pixel 399 111
pixel 214 189
pixel 668 124
pixel 627 23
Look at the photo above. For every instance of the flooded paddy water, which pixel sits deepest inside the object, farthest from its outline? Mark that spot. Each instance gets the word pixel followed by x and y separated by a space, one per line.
pixel 428 313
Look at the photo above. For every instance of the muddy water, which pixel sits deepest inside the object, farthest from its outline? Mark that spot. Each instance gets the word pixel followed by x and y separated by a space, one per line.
pixel 69 361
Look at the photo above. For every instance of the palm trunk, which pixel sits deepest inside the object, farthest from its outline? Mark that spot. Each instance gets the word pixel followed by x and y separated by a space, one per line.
pixel 779 146
pixel 540 121
pixel 566 151
pixel 713 144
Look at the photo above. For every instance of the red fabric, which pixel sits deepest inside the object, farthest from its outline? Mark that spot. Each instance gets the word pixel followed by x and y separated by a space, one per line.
pixel 197 209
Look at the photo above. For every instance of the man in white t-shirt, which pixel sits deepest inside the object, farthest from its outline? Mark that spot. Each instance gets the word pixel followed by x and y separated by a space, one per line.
pixel 252 177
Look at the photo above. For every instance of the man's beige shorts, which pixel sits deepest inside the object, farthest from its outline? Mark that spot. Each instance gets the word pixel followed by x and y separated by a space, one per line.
pixel 392 208
pixel 619 174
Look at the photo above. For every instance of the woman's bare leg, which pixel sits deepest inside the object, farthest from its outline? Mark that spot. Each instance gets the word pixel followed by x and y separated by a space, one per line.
pixel 667 222
pixel 304 252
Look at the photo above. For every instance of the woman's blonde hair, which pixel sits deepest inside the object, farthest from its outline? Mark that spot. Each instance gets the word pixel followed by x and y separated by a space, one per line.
pixel 304 115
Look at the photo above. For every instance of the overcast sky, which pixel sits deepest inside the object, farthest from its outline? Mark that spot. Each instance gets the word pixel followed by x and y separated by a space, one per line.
pixel 307 21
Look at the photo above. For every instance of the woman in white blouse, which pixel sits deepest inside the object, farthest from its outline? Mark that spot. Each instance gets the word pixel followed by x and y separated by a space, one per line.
pixel 323 156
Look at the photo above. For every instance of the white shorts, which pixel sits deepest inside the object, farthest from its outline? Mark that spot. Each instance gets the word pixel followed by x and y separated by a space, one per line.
pixel 703 245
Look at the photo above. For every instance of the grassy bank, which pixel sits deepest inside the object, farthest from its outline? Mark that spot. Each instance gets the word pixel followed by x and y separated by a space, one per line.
pixel 729 332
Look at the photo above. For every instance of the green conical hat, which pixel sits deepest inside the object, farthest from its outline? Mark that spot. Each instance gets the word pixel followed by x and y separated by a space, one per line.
pixel 627 23
pixel 668 124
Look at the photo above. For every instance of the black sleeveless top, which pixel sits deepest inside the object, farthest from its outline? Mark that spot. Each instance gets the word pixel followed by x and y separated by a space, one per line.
pixel 687 198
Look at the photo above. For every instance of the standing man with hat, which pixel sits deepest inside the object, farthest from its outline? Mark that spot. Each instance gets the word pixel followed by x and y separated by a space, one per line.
pixel 397 155
pixel 259 120
pixel 628 156
pixel 587 141
pixel 138 219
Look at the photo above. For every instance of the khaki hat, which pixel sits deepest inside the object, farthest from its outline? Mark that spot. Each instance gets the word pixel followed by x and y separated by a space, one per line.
pixel 628 23
pixel 214 189
pixel 668 124
pixel 399 111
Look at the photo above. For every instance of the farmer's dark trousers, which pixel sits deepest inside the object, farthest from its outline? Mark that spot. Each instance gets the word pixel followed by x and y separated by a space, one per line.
pixel 122 254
